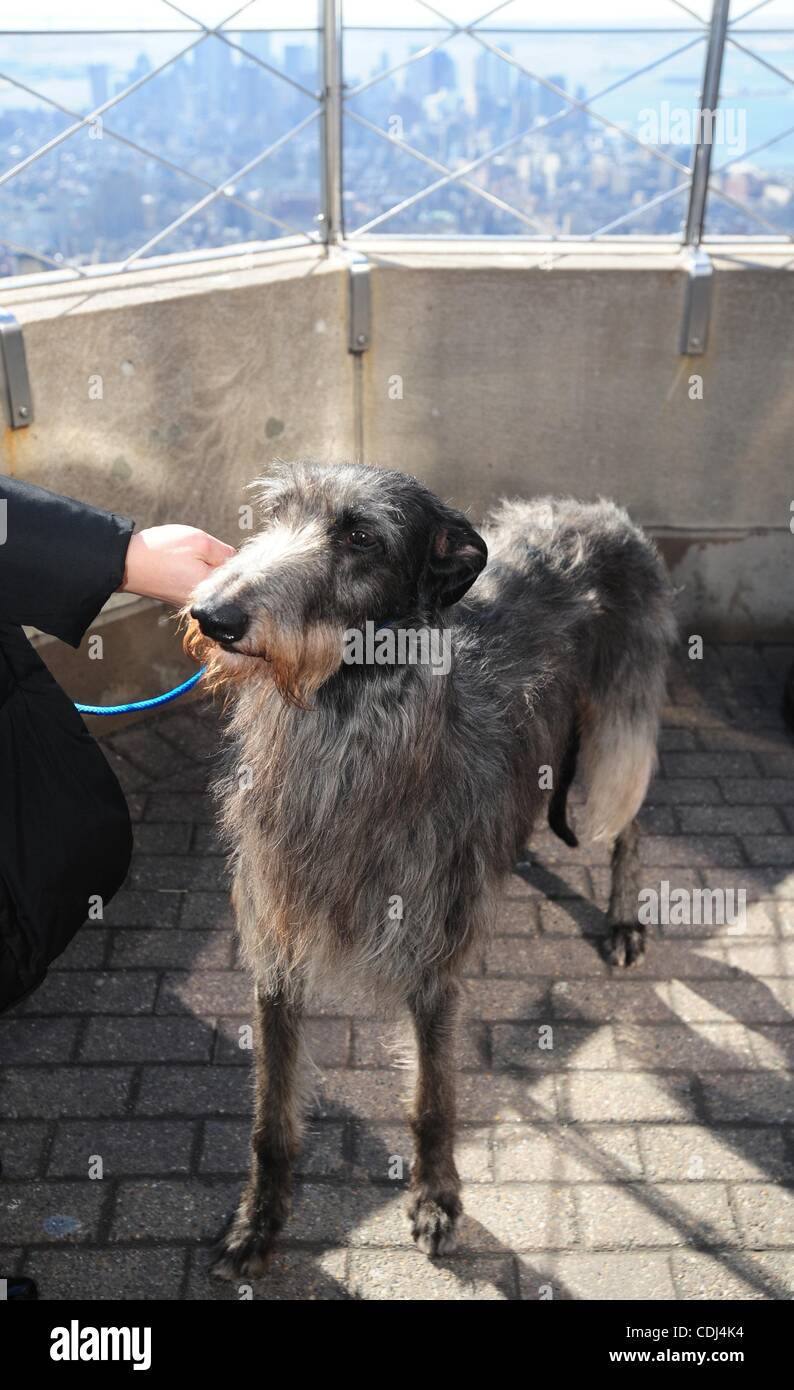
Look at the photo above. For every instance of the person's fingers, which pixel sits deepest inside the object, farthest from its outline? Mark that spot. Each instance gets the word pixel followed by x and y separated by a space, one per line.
pixel 215 552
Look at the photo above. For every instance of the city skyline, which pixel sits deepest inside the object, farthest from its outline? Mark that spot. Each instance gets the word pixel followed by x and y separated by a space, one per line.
pixel 213 111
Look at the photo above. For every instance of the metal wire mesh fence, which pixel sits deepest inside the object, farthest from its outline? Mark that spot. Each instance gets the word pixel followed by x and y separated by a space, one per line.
pixel 189 129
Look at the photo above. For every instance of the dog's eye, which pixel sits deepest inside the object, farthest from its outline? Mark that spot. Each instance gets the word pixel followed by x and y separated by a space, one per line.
pixel 361 540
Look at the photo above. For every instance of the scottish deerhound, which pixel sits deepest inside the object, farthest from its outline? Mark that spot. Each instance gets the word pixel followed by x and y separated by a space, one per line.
pixel 373 807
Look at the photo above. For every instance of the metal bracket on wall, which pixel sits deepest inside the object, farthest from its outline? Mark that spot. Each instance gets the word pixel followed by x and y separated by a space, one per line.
pixel 697 303
pixel 15 372
pixel 359 304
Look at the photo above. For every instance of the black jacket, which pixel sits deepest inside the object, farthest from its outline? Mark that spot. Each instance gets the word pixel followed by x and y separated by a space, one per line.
pixel 65 837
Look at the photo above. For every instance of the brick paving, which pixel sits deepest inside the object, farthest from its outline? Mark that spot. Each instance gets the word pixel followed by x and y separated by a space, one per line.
pixel 649 1153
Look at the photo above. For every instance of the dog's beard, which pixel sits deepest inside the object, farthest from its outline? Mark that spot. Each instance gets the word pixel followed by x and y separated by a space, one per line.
pixel 296 660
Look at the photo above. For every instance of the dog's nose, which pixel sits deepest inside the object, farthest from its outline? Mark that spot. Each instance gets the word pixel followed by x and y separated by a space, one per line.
pixel 226 623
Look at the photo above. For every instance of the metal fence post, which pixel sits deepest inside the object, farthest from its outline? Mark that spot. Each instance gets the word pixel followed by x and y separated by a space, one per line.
pixel 331 18
pixel 700 273
pixel 708 102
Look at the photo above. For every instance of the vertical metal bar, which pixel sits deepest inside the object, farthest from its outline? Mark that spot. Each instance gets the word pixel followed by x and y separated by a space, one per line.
pixel 709 100
pixel 332 119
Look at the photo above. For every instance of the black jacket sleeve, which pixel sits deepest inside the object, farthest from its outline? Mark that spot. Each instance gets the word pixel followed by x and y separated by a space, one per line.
pixel 59 559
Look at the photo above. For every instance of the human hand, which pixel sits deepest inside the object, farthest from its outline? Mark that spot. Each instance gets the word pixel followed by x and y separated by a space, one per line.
pixel 167 562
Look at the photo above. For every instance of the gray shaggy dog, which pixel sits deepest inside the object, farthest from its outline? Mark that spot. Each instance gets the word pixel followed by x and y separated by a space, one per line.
pixel 375 796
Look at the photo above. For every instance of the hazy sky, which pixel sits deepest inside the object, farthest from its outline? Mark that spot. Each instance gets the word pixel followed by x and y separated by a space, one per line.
pixel 120 14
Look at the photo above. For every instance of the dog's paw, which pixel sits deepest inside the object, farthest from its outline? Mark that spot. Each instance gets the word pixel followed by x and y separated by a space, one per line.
pixel 434 1222
pixel 241 1252
pixel 626 945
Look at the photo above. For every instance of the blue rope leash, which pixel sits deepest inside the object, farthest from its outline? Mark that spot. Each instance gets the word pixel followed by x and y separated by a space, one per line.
pixel 143 704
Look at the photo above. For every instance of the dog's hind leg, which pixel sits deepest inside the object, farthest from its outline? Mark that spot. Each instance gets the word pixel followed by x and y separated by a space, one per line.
pixel 558 805
pixel 435 1186
pixel 265 1203
pixel 626 941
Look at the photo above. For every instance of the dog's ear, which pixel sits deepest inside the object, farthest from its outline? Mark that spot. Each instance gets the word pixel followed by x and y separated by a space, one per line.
pixel 457 555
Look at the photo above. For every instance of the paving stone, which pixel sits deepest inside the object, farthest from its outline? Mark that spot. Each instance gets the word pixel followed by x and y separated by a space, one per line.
pixel 206 840
pixel 765 1096
pixel 672 850
pixel 658 1214
pixel 685 791
pixel 115 1275
pixel 22 1144
pixel 516 916
pixel 207 910
pixel 349 1214
pixel 611 1000
pixel 194 1091
pixel 765 1214
pixel 28 1040
pixel 575 917
pixel 409 1275
pixel 126 1147
pixel 773 1046
pixel 493 1000
pixel 625 1096
pixel 730 820
pixel 532 1216
pixel 758 791
pixel 769 849
pixel 611 1275
pixel 512 957
pixel 709 765
pixel 52 1091
pixel 131 778
pixel 146 1040
pixel 291 1276
pixel 675 1047
pixel 94 992
pixel 171 1209
pixel 189 735
pixel 86 951
pixel 674 1153
pixel 766 958
pixel 136 805
pixel 170 950
pixel 566 1153
pixel 165 838
pixel 180 872
pixel 744 1000
pixel 51 1212
pixel 142 909
pixel 552 1047
pixel 757 882
pixel 730 1275
pixel 205 992
pixel 565 880
pixel 179 806
pixel 144 748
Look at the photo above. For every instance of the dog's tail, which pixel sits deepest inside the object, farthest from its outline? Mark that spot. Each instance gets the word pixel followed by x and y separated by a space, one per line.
pixel 618 761
pixel 619 727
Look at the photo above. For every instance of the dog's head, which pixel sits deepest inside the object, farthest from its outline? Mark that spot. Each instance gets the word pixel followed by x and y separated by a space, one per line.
pixel 339 546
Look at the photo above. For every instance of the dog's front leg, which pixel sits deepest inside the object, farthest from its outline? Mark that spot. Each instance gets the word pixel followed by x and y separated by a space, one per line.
pixel 265 1203
pixel 435 1186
